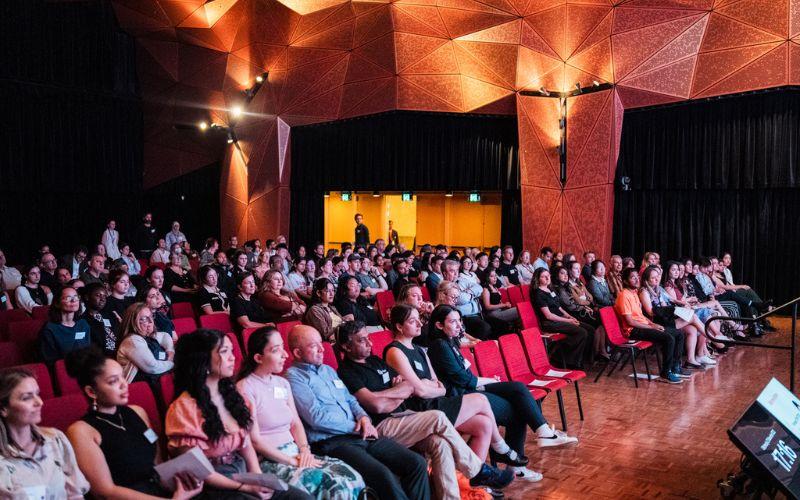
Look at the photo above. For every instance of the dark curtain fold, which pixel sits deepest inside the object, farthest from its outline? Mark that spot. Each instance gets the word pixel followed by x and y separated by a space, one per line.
pixel 403 151
pixel 714 176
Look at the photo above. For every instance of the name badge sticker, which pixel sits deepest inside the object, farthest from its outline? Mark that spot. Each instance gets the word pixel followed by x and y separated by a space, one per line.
pixel 384 376
pixel 552 294
pixel 106 323
pixel 150 435
pixel 338 383
pixel 80 335
pixel 279 393
pixel 418 365
pixel 162 356
pixel 467 364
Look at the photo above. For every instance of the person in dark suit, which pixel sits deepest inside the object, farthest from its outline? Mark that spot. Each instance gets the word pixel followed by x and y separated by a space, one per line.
pixel 394 239
pixel 362 232
pixel 76 261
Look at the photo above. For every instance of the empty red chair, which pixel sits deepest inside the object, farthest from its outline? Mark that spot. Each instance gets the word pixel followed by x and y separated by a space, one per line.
pixel 526 292
pixel 10 355
pixel 183 310
pixel 63 411
pixel 489 361
pixel 504 295
pixel 515 295
pixel 217 321
pixel 26 335
pixel 626 349
pixel 527 316
pixel 184 325
pixel 426 295
pixel 467 353
pixel 237 352
pixel 40 312
pixel 379 341
pixel 42 376
pixel 517 366
pixel 384 302
pixel 329 356
pixel 140 394
pixel 143 264
pixel 167 383
pixel 540 364
pixel 10 316
pixel 66 384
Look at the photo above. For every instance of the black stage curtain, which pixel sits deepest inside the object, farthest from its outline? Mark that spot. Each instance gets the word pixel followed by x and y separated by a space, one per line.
pixel 404 151
pixel 713 176
pixel 71 135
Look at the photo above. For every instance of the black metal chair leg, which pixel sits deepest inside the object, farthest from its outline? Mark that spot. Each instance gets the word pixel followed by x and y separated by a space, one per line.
pixel 633 364
pixel 624 358
pixel 647 366
pixel 561 410
pixel 578 396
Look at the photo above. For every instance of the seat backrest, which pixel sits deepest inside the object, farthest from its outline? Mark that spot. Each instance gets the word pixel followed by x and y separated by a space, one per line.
pixel 63 411
pixel 40 312
pixel 527 316
pixel 426 294
pixel 10 316
pixel 515 295
pixel 612 325
pixel 184 325
pixel 504 295
pixel 182 310
pixel 66 384
pixel 329 356
pixel 379 341
pixel 26 335
pixel 237 352
pixel 467 353
pixel 514 356
pixel 246 333
pixel 140 394
pixel 42 376
pixel 167 383
pixel 384 301
pixel 217 321
pixel 535 350
pixel 143 264
pixel 526 292
pixel 489 360
pixel 10 355
pixel 284 328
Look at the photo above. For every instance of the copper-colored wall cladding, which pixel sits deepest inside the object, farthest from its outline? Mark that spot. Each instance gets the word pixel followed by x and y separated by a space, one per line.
pixel 330 59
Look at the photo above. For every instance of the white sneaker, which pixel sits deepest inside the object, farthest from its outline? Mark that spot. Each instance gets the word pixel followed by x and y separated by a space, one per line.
pixel 707 361
pixel 558 438
pixel 525 474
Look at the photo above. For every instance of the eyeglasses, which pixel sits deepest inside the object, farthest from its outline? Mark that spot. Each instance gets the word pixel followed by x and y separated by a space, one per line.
pixel 145 319
pixel 71 298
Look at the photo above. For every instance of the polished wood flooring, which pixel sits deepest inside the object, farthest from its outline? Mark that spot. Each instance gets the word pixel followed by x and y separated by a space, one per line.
pixel 657 441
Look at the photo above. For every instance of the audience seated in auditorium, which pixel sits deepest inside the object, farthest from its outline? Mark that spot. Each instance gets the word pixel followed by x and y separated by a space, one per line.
pixel 383 394
pixel 350 302
pixel 102 334
pixel 447 294
pixel 636 326
pixel 261 266
pixel 338 426
pixel 297 282
pixel 115 445
pixel 277 432
pixel 179 281
pixel 246 311
pixel 554 319
pixel 210 298
pixel 323 315
pixel 30 293
pixel 469 413
pixel 434 275
pixel 468 301
pixel 152 297
pixel 75 262
pixel 110 240
pixel 614 275
pixel 35 462
pixel 494 265
pixel 64 331
pixel 503 316
pixel 144 353
pixel 146 237
pixel 211 414
pixel 279 304
pixel 225 279
pixel 481 265
pixel 400 278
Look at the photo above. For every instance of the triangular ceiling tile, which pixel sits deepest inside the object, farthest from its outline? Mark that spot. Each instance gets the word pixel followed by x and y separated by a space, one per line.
pixel 767 71
pixel 305 7
pixel 533 41
pixel 478 6
pixel 794 18
pixel 444 87
pixel 675 79
pixel 794 63
pixel 552 27
pixel 502 33
pixel 533 66
pixel 373 24
pixel 410 49
pixel 380 51
pixel 629 18
pixel 714 66
pixel 544 205
pixel 410 96
pixel 632 48
pixel 383 99
pixel 538 140
pixel 338 37
pixel 686 45
pixel 601 32
pixel 768 15
pixel 588 208
pixel 504 106
pixel 356 92
pixel 581 22
pixel 300 56
pixel 360 69
pixel 540 5
pixel 325 105
pixel 595 61
pixel 585 114
pixel 635 98
pixel 677 4
pixel 460 22
pixel 724 33
pixel 319 21
pixel 163 53
pixel 571 240
pixel 440 61
pixel 419 19
pixel 326 82
pixel 499 59
pixel 552 235
pixel 478 94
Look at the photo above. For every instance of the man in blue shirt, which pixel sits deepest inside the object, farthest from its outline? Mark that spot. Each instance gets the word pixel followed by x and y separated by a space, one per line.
pixel 337 426
pixel 545 257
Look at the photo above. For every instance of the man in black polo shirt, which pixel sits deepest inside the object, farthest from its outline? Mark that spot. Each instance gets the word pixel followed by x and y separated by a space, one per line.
pixel 382 393
pixel 507 266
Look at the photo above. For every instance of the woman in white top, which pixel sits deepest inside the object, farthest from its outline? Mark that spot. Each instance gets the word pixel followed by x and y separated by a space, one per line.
pixel 144 353
pixel 134 268
pixel 297 282
pixel 174 236
pixel 467 272
pixel 110 240
pixel 525 268
pixel 30 293
pixel 35 462
pixel 161 254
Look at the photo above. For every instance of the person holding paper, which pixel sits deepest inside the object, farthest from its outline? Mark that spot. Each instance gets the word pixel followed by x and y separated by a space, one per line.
pixel 278 434
pixel 64 331
pixel 511 402
pixel 383 393
pixel 211 414
pixel 657 304
pixel 338 426
pixel 114 443
pixel 469 413
pixel 35 462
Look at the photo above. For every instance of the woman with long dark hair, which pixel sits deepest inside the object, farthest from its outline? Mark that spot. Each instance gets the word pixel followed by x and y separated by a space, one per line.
pixel 349 301
pixel 114 443
pixel 277 432
pixel 211 414
pixel 322 314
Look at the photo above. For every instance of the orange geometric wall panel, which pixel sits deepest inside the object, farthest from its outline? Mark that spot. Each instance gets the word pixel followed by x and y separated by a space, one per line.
pixel 332 59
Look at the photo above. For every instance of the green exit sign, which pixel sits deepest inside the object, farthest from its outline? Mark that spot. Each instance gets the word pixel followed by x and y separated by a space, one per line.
pixel 347 196
pixel 474 197
pixel 407 196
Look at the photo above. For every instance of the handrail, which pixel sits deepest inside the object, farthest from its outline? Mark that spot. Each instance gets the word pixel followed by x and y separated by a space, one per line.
pixel 792 347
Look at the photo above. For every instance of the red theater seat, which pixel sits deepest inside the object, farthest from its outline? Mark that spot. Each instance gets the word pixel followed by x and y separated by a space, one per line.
pixel 66 384
pixel 10 355
pixel 40 312
pixel 467 353
pixel 329 356
pixel 237 352
pixel 379 341
pixel 515 295
pixel 384 302
pixel 182 310
pixel 63 411
pixel 217 321
pixel 184 325
pixel 167 383
pixel 11 316
pixel 26 335
pixel 140 394
pixel 622 346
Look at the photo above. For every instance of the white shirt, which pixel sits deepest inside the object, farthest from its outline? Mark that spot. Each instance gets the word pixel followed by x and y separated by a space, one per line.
pixel 173 237
pixel 110 240
pixel 134 355
pixel 11 278
pixel 24 300
pixel 728 275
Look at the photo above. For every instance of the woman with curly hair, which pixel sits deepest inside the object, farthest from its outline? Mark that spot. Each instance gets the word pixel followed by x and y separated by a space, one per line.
pixel 211 414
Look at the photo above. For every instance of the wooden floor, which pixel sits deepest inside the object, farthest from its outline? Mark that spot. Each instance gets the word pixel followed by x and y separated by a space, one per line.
pixel 657 441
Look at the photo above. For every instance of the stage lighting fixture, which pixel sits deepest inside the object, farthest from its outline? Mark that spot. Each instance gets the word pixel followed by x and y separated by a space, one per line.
pixel 376 194
pixel 202 126
pixel 259 79
pixel 578 88
pixel 230 138
pixel 406 196
pixel 595 83
pixel 347 196
pixel 326 194
pixel 544 92
pixel 449 194
pixel 236 111
pixel 626 183
pixel 474 197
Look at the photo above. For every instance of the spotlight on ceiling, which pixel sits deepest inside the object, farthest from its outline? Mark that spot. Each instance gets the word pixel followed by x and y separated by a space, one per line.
pixel 449 194
pixel 578 88
pixel 259 79
pixel 544 92
pixel 202 126
pixel 595 83
pixel 236 111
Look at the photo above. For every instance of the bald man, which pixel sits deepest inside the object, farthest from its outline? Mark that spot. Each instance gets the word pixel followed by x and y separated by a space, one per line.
pixel 337 426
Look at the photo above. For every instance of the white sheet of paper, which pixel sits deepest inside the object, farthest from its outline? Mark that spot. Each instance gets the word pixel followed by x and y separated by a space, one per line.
pixel 556 373
pixel 192 462
pixel 267 480
pixel 684 313
pixel 539 383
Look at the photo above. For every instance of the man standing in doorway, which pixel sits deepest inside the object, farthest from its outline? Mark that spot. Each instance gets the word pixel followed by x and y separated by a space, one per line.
pixel 393 238
pixel 362 232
